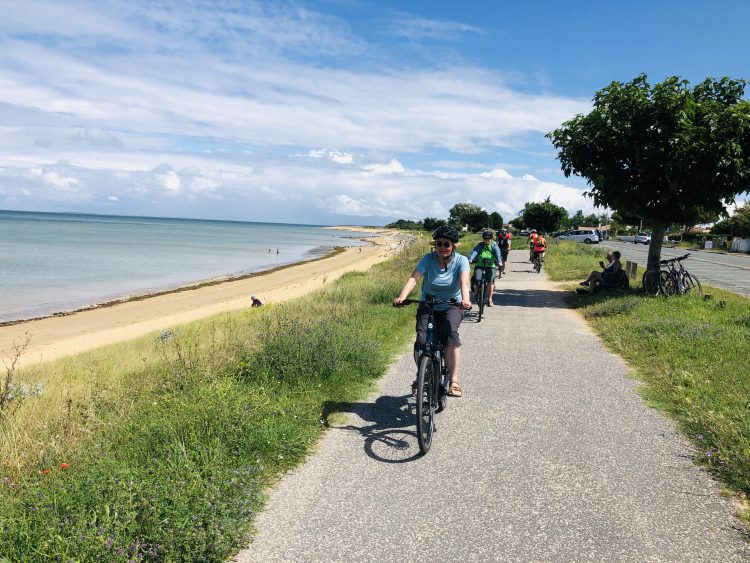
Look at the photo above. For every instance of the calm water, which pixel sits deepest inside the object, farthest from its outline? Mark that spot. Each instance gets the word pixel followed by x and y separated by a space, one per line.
pixel 53 262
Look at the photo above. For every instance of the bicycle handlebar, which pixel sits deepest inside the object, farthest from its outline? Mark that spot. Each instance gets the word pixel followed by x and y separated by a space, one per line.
pixel 429 301
pixel 668 260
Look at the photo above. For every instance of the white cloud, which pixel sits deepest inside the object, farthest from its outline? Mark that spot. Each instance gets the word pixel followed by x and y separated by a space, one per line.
pixel 341 158
pixel 393 167
pixel 113 198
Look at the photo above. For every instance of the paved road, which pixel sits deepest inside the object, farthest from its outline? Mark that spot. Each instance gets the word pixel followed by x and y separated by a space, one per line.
pixel 551 455
pixel 727 271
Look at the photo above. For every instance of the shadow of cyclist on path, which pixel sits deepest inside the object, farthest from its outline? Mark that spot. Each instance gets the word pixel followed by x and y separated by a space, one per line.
pixel 391 438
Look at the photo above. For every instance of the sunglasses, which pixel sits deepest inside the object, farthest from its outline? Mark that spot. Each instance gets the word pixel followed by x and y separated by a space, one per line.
pixel 442 244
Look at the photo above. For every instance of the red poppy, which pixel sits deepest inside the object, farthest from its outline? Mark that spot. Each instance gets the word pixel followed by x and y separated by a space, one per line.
pixel 46 471
pixel 64 466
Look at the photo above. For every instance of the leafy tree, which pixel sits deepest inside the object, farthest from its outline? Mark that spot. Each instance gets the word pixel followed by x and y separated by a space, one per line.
pixel 593 220
pixel 496 220
pixel 468 214
pixel 667 153
pixel 405 224
pixel 431 224
pixel 518 223
pixel 577 220
pixel 738 225
pixel 544 216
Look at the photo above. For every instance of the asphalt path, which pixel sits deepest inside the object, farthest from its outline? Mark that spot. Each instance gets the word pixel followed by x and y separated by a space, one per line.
pixel 551 455
pixel 726 271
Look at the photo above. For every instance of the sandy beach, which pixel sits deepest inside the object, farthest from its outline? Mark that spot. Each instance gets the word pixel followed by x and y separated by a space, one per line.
pixel 58 336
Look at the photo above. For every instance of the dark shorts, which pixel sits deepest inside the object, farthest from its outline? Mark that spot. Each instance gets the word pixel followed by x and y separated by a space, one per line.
pixel 448 322
pixel 490 274
pixel 504 254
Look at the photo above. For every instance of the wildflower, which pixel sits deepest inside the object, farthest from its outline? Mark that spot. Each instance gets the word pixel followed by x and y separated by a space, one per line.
pixel 699 436
pixel 45 471
pixel 64 466
pixel 710 452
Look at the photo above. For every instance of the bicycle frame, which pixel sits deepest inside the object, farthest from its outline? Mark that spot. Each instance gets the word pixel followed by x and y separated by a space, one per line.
pixel 432 387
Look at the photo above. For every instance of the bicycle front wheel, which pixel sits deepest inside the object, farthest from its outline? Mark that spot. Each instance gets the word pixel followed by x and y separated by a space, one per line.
pixel 425 403
pixel 482 295
pixel 691 285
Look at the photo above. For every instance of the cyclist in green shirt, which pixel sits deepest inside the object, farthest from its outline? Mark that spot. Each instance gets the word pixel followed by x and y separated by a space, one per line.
pixel 488 260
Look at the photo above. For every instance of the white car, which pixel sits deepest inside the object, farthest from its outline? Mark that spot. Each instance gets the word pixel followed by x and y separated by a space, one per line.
pixel 586 236
pixel 642 238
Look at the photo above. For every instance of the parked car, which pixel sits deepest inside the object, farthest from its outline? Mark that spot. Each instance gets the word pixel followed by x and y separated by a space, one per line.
pixel 642 238
pixel 586 236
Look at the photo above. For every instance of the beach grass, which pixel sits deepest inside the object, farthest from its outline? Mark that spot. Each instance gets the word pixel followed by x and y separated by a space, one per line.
pixel 689 351
pixel 162 448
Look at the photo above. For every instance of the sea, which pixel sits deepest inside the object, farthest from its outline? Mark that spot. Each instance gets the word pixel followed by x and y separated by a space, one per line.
pixel 60 262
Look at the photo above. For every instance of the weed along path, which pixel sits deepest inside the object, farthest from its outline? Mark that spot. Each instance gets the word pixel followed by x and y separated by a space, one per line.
pixel 551 455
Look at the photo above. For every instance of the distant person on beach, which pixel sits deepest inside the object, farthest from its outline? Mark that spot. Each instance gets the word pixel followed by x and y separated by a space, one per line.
pixel 611 270
pixel 446 276
pixel 277 252
pixel 256 301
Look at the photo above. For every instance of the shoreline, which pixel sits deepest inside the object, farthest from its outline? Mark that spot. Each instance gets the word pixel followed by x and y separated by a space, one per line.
pixel 196 285
pixel 69 333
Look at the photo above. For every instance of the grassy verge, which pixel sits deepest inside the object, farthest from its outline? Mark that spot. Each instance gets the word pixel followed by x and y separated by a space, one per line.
pixel 690 353
pixel 161 449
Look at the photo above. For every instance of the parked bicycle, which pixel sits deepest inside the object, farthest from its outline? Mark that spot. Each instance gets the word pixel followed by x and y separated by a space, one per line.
pixel 672 279
pixel 433 378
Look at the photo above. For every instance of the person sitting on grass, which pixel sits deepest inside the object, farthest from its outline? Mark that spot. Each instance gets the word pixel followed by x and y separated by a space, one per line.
pixel 256 301
pixel 609 271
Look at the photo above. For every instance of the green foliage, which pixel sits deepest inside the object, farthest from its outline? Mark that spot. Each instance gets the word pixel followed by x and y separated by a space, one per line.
pixel 738 225
pixel 468 214
pixel 495 220
pixel 175 458
pixel 667 153
pixel 405 225
pixel 430 223
pixel 544 216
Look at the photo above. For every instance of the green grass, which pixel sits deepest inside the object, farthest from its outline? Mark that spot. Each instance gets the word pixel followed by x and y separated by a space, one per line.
pixel 690 353
pixel 162 448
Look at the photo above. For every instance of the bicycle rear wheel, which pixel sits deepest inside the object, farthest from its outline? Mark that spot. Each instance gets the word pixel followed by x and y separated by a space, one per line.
pixel 538 264
pixel 650 282
pixel 667 284
pixel 691 285
pixel 425 403
pixel 481 296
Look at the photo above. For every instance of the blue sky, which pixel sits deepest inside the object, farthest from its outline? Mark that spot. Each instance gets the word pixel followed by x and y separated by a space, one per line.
pixel 339 111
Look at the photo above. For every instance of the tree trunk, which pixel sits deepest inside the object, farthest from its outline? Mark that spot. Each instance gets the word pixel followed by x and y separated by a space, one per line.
pixel 654 249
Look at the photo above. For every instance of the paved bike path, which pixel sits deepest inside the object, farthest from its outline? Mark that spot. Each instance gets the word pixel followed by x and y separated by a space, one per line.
pixel 551 455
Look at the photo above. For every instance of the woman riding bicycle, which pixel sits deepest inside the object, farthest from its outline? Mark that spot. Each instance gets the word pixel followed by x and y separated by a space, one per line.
pixel 489 260
pixel 446 276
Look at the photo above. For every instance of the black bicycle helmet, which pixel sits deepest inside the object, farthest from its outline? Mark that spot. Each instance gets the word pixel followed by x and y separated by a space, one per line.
pixel 445 231
pixel 488 234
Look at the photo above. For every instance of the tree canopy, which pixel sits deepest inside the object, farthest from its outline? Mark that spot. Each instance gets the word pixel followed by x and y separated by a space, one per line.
pixel 668 153
pixel 544 216
pixel 738 225
pixel 468 214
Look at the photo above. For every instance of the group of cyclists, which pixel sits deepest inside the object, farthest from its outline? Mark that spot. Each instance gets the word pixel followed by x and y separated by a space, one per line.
pixel 446 276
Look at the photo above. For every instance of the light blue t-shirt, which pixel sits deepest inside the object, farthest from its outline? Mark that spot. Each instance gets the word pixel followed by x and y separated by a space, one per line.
pixel 443 284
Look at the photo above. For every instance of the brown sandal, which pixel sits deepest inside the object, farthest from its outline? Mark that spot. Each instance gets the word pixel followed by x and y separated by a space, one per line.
pixel 455 389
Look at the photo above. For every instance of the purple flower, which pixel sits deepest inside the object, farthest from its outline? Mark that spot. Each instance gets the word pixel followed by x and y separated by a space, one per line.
pixel 699 436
